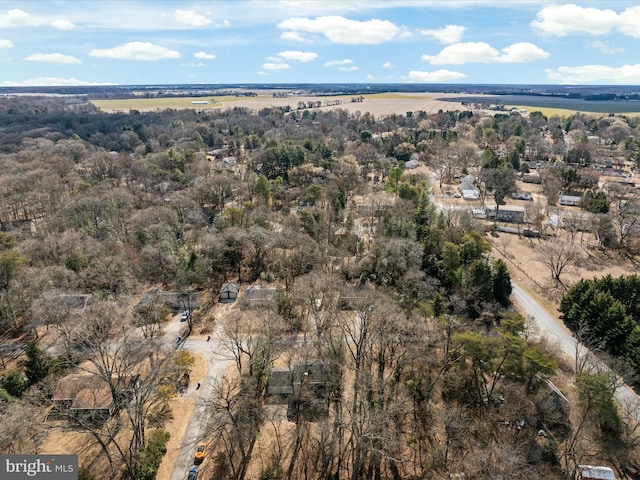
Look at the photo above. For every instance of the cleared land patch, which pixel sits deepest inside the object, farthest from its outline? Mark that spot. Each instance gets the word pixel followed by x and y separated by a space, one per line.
pixel 378 104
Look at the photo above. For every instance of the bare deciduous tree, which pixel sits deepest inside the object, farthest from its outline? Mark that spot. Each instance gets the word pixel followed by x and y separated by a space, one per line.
pixel 557 255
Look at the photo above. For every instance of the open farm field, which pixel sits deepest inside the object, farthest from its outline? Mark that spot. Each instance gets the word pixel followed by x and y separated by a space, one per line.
pixel 376 104
pixel 562 112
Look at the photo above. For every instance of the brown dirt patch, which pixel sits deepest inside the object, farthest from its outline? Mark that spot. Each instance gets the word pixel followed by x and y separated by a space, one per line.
pixel 523 258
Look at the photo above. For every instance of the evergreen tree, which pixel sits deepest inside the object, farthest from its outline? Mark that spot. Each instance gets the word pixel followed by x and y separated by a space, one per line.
pixel 599 203
pixel 38 364
pixel 501 280
pixel 14 383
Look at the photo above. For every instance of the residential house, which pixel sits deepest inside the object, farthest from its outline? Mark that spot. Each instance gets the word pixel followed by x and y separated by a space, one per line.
pixel 280 383
pixel 176 301
pixel 570 200
pixel 352 298
pixel 83 397
pixel 304 389
pixel 522 195
pixel 507 213
pixel 531 178
pixel 20 228
pixel 256 296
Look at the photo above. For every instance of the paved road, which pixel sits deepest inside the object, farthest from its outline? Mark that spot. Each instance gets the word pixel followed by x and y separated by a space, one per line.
pixel 549 326
pixel 217 363
pixel 552 326
pixel 555 330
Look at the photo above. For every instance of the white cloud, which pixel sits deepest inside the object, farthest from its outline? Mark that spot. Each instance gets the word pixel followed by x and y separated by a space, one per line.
pixel 136 51
pixel 17 18
pixel 50 81
pixel 343 30
pixel 439 76
pixel 352 68
pixel 388 65
pixel 629 21
pixel 596 74
pixel 605 47
pixel 62 25
pixel 481 52
pixel 460 53
pixel 447 34
pixel 53 58
pixel 370 77
pixel 204 55
pixel 522 52
pixel 275 66
pixel 565 19
pixel 333 63
pixel 20 18
pixel 263 73
pixel 294 37
pixel 298 56
pixel 191 18
pixel 5 43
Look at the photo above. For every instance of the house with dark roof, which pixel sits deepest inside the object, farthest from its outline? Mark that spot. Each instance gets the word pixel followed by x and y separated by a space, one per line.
pixel 507 213
pixel 176 301
pixel 304 389
pixel 257 295
pixel 82 396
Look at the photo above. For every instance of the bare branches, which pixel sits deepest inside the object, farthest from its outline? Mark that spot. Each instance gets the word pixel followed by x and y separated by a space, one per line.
pixel 557 255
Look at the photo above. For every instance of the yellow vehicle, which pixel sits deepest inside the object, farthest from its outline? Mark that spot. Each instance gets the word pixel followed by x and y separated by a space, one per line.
pixel 200 451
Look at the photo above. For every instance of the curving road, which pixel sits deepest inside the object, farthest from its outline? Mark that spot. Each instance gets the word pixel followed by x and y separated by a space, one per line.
pixel 556 331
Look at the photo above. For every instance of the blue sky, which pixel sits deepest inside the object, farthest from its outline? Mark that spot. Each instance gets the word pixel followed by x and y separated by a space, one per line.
pixel 78 42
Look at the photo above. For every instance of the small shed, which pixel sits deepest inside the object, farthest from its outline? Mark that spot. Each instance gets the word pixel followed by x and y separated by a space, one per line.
pixel 229 292
pixel 588 472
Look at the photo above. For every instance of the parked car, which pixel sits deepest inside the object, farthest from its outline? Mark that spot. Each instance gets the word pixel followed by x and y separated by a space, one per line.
pixel 200 451
pixel 193 474
pixel 184 316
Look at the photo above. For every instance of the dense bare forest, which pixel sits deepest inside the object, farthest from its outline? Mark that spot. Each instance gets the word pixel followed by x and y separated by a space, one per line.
pixel 399 352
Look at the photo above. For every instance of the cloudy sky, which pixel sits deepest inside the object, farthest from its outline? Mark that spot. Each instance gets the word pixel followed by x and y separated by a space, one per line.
pixel 84 42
